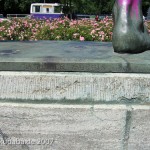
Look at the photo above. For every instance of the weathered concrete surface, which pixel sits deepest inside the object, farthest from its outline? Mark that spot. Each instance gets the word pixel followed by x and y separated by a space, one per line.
pixel 75 87
pixel 139 135
pixel 68 56
pixel 114 107
pixel 67 127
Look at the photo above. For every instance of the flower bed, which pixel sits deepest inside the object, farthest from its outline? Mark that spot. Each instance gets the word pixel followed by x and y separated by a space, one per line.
pixel 148 25
pixel 57 29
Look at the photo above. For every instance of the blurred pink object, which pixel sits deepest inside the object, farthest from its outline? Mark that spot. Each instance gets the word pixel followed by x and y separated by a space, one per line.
pixel 81 38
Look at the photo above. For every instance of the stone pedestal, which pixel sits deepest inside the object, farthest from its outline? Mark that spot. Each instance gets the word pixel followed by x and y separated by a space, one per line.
pixel 73 95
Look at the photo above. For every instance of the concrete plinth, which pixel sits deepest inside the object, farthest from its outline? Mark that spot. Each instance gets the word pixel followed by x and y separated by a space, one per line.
pixel 75 87
pixel 73 95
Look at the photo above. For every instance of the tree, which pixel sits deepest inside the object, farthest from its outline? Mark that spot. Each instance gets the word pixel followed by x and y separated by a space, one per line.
pixel 77 6
pixel 16 6
pixel 146 5
pixel 2 6
pixel 24 5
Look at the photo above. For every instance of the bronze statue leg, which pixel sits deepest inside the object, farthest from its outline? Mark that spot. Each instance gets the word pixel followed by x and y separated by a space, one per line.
pixel 130 34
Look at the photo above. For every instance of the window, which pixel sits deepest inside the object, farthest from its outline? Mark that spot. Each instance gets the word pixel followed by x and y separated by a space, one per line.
pixel 37 8
pixel 47 10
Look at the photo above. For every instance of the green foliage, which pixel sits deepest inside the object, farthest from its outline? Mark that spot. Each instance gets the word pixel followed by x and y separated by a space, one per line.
pixel 77 6
pixel 58 29
pixel 24 5
pixel 146 5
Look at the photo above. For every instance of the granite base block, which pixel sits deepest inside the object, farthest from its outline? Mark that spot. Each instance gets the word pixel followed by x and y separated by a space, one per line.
pixel 75 87
pixel 62 127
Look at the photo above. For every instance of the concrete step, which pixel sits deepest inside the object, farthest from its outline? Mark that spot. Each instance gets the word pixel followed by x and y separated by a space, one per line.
pixel 48 87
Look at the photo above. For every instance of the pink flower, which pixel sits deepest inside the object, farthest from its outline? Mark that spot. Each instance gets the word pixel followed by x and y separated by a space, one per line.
pixel 61 21
pixel 93 31
pixel 95 24
pixel 98 29
pixel 103 37
pixel 75 22
pixel 110 33
pixel 81 38
pixel 101 33
pixel 71 23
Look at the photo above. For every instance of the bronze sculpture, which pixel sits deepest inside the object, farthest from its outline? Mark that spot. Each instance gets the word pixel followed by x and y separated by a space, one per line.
pixel 130 34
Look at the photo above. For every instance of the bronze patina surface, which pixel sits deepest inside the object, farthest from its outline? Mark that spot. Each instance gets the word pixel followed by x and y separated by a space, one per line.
pixel 130 34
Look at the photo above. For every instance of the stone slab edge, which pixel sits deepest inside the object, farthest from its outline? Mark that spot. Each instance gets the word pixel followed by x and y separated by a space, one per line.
pixel 75 87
